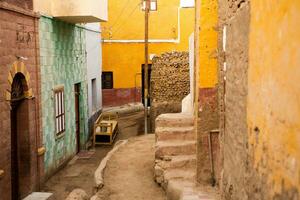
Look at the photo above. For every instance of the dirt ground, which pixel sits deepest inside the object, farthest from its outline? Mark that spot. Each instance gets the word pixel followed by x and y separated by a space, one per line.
pixel 79 173
pixel 129 173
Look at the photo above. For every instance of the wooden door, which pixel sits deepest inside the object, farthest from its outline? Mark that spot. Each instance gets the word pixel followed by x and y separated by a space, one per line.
pixel 14 155
pixel 77 115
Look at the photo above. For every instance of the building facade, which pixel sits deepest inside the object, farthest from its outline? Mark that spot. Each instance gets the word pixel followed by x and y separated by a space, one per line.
pixel 64 90
pixel 123 43
pixel 247 53
pixel 94 70
pixel 64 63
pixel 260 135
pixel 21 155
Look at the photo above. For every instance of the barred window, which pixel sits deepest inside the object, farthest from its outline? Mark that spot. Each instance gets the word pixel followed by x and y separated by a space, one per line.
pixel 59 111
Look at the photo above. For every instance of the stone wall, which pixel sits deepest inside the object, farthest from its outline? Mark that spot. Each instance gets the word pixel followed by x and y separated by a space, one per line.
pixel 24 4
pixel 208 118
pixel 170 83
pixel 260 115
pixel 235 15
pixel 19 38
pixel 63 63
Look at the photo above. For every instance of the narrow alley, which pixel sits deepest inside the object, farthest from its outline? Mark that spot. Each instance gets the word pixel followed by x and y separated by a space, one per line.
pixel 79 172
pixel 149 100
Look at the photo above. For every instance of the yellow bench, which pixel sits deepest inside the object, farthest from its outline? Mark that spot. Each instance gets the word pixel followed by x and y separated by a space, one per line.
pixel 105 129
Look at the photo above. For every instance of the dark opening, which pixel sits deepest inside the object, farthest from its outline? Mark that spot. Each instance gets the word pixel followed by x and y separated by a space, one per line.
pixel 107 80
pixel 143 82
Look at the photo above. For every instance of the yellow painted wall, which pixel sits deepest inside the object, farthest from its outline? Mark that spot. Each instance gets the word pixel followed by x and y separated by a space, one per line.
pixel 125 59
pixel 274 93
pixel 208 44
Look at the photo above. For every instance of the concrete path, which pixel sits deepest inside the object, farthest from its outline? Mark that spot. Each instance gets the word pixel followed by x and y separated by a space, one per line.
pixel 129 173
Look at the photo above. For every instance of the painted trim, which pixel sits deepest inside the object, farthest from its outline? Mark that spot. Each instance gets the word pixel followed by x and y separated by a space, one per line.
pixel 19 67
pixel 1 174
pixel 177 41
pixel 41 151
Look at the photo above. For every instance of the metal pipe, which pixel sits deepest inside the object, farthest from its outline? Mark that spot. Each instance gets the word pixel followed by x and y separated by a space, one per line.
pixel 135 85
pixel 211 157
pixel 146 64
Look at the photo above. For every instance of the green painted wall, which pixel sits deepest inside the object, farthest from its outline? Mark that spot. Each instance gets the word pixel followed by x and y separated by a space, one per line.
pixel 63 63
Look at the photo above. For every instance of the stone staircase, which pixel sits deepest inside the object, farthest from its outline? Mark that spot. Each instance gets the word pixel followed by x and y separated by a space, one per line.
pixel 175 157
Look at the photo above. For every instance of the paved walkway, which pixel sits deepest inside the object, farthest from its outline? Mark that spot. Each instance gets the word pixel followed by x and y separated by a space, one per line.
pixel 129 173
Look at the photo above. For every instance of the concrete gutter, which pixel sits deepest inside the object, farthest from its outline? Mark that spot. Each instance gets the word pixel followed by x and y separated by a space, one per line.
pixel 99 173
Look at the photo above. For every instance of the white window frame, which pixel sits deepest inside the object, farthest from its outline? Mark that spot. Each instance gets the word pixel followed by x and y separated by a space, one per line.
pixel 59 111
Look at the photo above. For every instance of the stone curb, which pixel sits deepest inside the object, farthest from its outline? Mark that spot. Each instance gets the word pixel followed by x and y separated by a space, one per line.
pixel 125 109
pixel 99 173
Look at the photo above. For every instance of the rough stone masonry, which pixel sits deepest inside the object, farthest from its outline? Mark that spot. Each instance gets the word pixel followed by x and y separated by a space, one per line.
pixel 170 83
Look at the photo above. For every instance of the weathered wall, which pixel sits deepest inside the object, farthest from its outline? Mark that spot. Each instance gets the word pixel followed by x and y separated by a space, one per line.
pixel 169 84
pixel 235 16
pixel 208 80
pixel 94 70
pixel 273 103
pixel 125 58
pixel 24 4
pixel 63 63
pixel 120 96
pixel 18 37
pixel 260 139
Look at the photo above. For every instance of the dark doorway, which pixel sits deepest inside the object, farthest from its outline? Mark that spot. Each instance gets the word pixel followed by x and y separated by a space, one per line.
pixel 77 114
pixel 143 82
pixel 20 142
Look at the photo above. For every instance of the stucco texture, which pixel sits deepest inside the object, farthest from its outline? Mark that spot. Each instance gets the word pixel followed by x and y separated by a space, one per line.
pixel 125 59
pixel 208 44
pixel 274 96
pixel 63 63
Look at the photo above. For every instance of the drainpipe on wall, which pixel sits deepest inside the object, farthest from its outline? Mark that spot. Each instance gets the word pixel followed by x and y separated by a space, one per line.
pixel 39 151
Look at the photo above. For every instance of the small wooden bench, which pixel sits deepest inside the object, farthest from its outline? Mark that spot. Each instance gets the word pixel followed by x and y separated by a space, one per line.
pixel 105 129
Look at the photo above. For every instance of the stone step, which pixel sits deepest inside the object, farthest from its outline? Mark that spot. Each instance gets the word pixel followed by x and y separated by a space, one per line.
pixel 174 120
pixel 187 190
pixel 175 133
pixel 181 174
pixel 181 162
pixel 174 148
pixel 39 196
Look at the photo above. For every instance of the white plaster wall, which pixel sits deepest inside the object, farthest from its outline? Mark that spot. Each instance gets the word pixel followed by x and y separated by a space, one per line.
pixel 94 64
pixel 187 105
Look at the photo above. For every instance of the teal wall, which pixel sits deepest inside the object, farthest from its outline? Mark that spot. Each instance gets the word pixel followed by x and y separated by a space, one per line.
pixel 63 63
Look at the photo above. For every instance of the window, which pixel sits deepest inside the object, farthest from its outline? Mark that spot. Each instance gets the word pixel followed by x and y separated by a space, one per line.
pixel 59 111
pixel 187 3
pixel 94 94
pixel 153 5
pixel 107 80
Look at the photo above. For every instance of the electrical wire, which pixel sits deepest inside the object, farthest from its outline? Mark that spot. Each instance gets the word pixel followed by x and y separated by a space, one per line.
pixel 132 12
pixel 121 13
